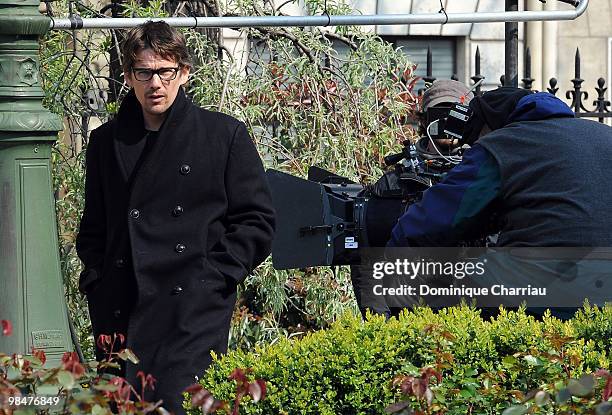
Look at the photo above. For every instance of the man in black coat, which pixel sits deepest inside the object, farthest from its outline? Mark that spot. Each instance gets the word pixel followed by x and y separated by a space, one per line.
pixel 177 213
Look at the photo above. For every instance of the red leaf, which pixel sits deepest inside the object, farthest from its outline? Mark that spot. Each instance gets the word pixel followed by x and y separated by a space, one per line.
pixel 201 397
pixel 70 357
pixel 398 380
pixel 103 340
pixel 419 387
pixel 406 385
pixel 407 74
pixel 205 400
pixel 428 373
pixel 606 393
pixel 77 370
pixel 121 338
pixel 196 387
pixel 382 94
pixel 124 392
pixel 17 361
pixel 331 86
pixel 117 380
pixel 150 381
pixel 257 390
pixel 70 362
pixel 239 376
pixel 7 327
pixel 40 355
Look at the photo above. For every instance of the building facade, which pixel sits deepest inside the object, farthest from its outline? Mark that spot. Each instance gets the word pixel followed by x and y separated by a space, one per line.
pixel 552 45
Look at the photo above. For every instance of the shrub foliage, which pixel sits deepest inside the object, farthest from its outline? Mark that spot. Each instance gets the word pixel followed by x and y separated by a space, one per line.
pixel 484 366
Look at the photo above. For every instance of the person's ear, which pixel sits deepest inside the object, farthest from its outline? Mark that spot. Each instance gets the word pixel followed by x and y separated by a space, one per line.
pixel 128 78
pixel 184 74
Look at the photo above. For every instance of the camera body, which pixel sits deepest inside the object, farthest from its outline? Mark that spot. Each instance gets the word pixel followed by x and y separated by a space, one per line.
pixel 326 218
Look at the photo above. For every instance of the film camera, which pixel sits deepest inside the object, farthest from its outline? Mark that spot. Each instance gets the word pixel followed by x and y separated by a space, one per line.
pixel 325 219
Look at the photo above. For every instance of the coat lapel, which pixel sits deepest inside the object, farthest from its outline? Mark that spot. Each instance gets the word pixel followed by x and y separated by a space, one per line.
pixel 130 124
pixel 122 167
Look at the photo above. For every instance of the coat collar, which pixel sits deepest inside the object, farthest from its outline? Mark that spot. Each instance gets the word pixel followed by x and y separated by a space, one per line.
pixel 129 126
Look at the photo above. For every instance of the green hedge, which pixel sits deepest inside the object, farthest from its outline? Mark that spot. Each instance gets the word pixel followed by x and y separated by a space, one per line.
pixel 348 368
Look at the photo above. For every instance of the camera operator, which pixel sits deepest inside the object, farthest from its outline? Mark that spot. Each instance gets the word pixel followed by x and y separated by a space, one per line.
pixel 440 95
pixel 533 164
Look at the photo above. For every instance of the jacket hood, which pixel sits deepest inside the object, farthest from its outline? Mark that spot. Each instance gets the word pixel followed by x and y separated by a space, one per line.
pixel 493 109
pixel 540 106
pixel 505 105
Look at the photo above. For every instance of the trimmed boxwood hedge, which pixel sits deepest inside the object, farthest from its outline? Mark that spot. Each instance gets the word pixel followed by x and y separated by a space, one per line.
pixel 348 368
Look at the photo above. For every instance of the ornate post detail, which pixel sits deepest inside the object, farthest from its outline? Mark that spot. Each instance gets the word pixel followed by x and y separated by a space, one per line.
pixel 602 104
pixel 429 79
pixel 577 95
pixel 527 80
pixel 477 76
pixel 553 86
pixel 31 292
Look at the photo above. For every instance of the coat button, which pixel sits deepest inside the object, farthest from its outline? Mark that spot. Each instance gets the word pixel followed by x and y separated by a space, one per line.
pixel 134 213
pixel 177 211
pixel 117 313
pixel 177 290
pixel 179 248
pixel 185 169
pixel 120 263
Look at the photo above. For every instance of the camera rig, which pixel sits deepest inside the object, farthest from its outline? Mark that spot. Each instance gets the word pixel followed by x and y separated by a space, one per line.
pixel 326 218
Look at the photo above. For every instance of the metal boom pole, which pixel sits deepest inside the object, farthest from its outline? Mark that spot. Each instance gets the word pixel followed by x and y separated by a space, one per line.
pixel 76 22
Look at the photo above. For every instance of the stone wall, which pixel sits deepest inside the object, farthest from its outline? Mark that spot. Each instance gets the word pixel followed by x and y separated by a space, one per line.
pixel 591 33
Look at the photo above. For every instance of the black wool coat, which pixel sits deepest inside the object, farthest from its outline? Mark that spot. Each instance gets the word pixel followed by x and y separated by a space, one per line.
pixel 164 251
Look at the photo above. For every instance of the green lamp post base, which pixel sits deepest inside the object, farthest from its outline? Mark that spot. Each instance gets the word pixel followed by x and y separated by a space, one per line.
pixel 31 291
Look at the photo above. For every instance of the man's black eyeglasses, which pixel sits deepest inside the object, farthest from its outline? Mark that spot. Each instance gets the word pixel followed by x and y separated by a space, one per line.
pixel 145 74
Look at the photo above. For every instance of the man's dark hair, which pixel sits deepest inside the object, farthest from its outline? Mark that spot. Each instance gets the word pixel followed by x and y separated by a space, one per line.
pixel 161 38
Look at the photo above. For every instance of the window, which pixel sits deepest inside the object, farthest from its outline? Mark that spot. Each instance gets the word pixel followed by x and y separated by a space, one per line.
pixel 443 51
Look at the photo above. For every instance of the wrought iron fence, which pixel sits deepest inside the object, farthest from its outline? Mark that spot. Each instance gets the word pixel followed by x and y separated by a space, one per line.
pixel 577 96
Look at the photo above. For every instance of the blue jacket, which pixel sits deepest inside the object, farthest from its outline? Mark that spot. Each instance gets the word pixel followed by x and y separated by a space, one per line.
pixel 456 208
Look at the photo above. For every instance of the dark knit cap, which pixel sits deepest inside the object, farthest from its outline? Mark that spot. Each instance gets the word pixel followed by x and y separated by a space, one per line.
pixel 493 109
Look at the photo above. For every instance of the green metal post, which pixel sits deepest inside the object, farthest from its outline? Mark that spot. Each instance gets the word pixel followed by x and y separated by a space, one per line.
pixel 31 291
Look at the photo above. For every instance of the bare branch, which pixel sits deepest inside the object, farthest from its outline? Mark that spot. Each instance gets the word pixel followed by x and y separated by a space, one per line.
pixel 283 5
pixel 275 34
pixel 213 7
pixel 225 85
pixel 341 38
